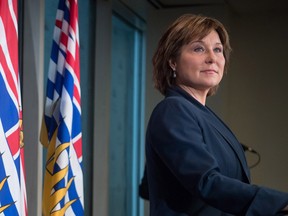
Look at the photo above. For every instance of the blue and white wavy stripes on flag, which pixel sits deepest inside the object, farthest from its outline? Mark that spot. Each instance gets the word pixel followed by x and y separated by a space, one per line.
pixel 61 132
pixel 13 199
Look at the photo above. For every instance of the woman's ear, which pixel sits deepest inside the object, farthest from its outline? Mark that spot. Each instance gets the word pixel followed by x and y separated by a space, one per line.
pixel 172 64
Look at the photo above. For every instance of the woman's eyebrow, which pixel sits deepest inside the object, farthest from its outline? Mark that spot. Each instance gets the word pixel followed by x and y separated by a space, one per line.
pixel 200 41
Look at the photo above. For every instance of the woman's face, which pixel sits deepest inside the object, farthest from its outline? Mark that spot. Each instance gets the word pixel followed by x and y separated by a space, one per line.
pixel 201 63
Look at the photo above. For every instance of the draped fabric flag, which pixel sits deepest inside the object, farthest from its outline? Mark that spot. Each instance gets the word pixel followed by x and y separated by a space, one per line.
pixel 61 129
pixel 12 179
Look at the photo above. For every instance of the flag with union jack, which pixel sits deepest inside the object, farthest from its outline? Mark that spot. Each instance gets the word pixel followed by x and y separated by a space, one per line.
pixel 12 180
pixel 61 130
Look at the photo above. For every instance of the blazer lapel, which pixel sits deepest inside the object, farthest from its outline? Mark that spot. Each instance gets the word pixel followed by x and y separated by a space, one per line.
pixel 228 135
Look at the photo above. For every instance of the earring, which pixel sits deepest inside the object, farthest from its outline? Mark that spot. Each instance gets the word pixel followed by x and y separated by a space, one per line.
pixel 174 73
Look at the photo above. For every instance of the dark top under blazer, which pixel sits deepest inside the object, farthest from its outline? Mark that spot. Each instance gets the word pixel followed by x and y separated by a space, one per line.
pixel 196 166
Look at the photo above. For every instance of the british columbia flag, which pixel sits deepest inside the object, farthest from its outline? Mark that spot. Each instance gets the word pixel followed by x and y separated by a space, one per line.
pixel 61 131
pixel 12 179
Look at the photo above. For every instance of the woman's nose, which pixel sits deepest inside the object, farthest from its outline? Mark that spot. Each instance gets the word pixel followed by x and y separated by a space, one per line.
pixel 210 58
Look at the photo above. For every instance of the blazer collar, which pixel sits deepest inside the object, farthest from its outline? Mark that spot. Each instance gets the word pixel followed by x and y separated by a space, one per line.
pixel 178 91
pixel 217 123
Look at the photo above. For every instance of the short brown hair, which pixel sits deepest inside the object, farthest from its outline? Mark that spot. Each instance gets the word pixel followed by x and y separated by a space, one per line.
pixel 186 28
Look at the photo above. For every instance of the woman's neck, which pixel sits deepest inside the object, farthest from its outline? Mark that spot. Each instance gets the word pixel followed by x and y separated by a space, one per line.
pixel 200 96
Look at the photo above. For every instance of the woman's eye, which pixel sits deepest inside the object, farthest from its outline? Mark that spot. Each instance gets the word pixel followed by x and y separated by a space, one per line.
pixel 218 50
pixel 199 49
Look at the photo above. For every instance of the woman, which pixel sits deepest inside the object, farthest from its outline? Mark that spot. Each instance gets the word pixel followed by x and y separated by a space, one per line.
pixel 195 164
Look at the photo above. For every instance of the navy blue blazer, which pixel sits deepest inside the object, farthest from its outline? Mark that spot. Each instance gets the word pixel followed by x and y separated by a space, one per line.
pixel 196 166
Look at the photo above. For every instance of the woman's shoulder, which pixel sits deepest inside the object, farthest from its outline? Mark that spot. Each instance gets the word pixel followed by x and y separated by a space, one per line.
pixel 175 105
pixel 173 111
pixel 171 101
